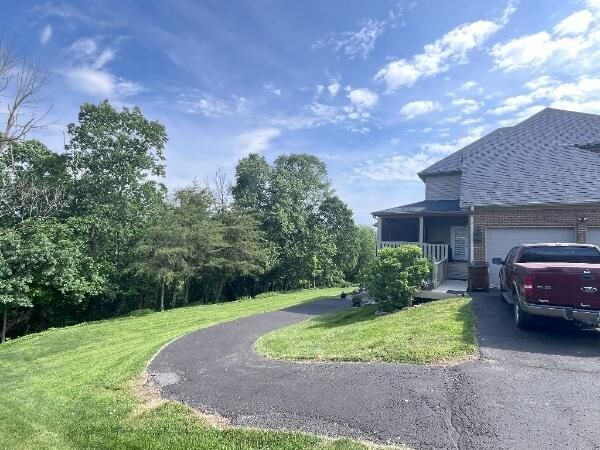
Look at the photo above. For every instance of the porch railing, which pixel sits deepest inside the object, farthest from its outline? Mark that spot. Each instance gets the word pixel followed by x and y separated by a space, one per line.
pixel 435 252
pixel 438 272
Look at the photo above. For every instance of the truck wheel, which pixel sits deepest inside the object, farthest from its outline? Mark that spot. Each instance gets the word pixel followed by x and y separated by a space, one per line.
pixel 521 317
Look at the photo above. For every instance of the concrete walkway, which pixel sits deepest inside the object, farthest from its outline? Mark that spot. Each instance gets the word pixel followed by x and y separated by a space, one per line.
pixel 529 389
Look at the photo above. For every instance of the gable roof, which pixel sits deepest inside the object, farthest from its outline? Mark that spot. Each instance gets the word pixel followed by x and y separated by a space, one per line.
pixel 537 161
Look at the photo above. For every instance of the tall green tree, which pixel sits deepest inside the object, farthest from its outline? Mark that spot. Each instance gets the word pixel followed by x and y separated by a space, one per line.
pixel 116 158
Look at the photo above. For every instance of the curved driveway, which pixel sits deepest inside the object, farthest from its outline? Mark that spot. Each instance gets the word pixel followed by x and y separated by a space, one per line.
pixel 528 389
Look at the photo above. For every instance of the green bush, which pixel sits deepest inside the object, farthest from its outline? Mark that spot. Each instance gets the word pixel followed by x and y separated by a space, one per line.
pixel 395 276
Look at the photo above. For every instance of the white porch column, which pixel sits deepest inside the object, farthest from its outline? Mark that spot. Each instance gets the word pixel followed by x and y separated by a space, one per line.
pixel 378 232
pixel 421 233
pixel 471 236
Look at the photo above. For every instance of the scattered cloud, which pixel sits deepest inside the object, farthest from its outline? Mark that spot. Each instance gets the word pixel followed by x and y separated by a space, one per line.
pixel 446 148
pixel 362 98
pixel 418 108
pixel 360 42
pixel 511 104
pixel 270 87
pixel 88 74
pixel 466 105
pixel 46 34
pixel 582 95
pixel 405 167
pixel 467 85
pixel 396 167
pixel 437 57
pixel 100 83
pixel 255 141
pixel 574 41
pixel 210 106
pixel 334 88
pixel 576 23
pixel 357 43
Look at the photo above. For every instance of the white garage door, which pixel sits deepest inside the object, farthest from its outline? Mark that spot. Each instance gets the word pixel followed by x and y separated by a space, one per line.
pixel 499 241
pixel 593 235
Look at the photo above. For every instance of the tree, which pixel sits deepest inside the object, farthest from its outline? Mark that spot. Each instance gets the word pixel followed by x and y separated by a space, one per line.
pixel 252 177
pixel 34 183
pixel 115 159
pixel 44 265
pixel 161 253
pixel 367 242
pixel 22 85
pixel 395 276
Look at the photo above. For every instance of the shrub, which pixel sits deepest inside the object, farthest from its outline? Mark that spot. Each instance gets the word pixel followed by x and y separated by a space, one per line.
pixel 395 276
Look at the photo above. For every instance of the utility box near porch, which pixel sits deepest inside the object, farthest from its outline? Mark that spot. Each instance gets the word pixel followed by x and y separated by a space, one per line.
pixel 479 277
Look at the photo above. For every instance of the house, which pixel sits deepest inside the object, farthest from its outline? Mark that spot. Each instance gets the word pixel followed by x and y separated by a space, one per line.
pixel 537 181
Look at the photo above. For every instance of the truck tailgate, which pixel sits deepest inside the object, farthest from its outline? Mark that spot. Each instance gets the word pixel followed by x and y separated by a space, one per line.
pixel 575 285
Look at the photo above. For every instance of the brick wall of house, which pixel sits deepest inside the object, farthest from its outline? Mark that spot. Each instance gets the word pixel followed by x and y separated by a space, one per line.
pixel 534 216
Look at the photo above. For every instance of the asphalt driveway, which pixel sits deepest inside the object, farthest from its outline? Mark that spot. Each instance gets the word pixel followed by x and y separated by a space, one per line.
pixel 529 389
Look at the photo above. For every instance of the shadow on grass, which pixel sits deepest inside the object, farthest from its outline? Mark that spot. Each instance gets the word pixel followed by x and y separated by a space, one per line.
pixel 346 317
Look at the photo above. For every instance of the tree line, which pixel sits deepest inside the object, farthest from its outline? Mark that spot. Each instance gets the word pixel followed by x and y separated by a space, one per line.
pixel 91 231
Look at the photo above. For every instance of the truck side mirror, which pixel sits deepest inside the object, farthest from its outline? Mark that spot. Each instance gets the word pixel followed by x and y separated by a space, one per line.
pixel 498 261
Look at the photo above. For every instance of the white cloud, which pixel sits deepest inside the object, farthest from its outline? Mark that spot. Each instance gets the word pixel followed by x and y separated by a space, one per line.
pixel 358 43
pixel 88 74
pixel 449 147
pixel 396 167
pixel 582 95
pixel 270 87
pixel 468 85
pixel 100 83
pixel 46 34
pixel 452 48
pixel 471 121
pixel 363 98
pixel 406 167
pixel 255 141
pixel 575 41
pixel 418 108
pixel 521 116
pixel 534 50
pixel 511 104
pixel 334 88
pixel 210 106
pixel 576 23
pixel 466 105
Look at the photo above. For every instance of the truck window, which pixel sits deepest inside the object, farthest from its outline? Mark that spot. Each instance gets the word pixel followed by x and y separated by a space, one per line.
pixel 590 255
pixel 511 255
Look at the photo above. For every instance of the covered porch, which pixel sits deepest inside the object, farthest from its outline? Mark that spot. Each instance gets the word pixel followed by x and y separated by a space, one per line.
pixel 441 228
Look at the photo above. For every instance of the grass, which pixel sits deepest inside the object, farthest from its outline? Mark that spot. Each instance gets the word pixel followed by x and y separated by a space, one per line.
pixel 73 388
pixel 435 332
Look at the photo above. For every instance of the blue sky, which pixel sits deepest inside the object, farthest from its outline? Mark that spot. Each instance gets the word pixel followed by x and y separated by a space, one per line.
pixel 378 90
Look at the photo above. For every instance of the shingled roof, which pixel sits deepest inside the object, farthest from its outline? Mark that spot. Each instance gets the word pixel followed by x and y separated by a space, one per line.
pixel 424 207
pixel 538 161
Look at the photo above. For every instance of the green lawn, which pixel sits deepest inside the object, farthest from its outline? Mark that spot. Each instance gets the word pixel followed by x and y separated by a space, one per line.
pixel 436 332
pixel 72 388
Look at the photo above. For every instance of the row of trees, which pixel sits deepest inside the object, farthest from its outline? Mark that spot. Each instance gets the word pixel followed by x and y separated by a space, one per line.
pixel 91 232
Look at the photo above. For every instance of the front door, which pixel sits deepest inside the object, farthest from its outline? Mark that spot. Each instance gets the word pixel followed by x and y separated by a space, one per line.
pixel 459 238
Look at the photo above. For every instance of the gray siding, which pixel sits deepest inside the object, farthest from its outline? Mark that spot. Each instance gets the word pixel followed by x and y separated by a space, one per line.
pixel 442 187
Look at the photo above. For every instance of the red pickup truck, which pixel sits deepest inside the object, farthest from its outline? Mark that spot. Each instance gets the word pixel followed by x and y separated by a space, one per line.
pixel 553 280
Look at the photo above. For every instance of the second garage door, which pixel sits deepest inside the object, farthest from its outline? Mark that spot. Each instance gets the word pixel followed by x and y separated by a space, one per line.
pixel 499 240
pixel 593 235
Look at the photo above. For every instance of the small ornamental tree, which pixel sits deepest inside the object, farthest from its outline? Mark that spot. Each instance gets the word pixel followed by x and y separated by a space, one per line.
pixel 395 276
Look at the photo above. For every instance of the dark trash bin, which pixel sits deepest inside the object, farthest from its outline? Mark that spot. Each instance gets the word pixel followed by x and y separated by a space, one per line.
pixel 479 277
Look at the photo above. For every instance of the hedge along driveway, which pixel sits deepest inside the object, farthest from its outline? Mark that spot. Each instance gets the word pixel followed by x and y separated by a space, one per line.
pixel 72 388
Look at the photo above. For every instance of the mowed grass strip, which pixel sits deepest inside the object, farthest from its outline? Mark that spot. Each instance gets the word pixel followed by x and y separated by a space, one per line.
pixel 435 332
pixel 72 388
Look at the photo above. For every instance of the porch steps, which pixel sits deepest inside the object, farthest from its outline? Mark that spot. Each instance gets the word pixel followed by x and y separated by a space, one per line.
pixel 457 270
